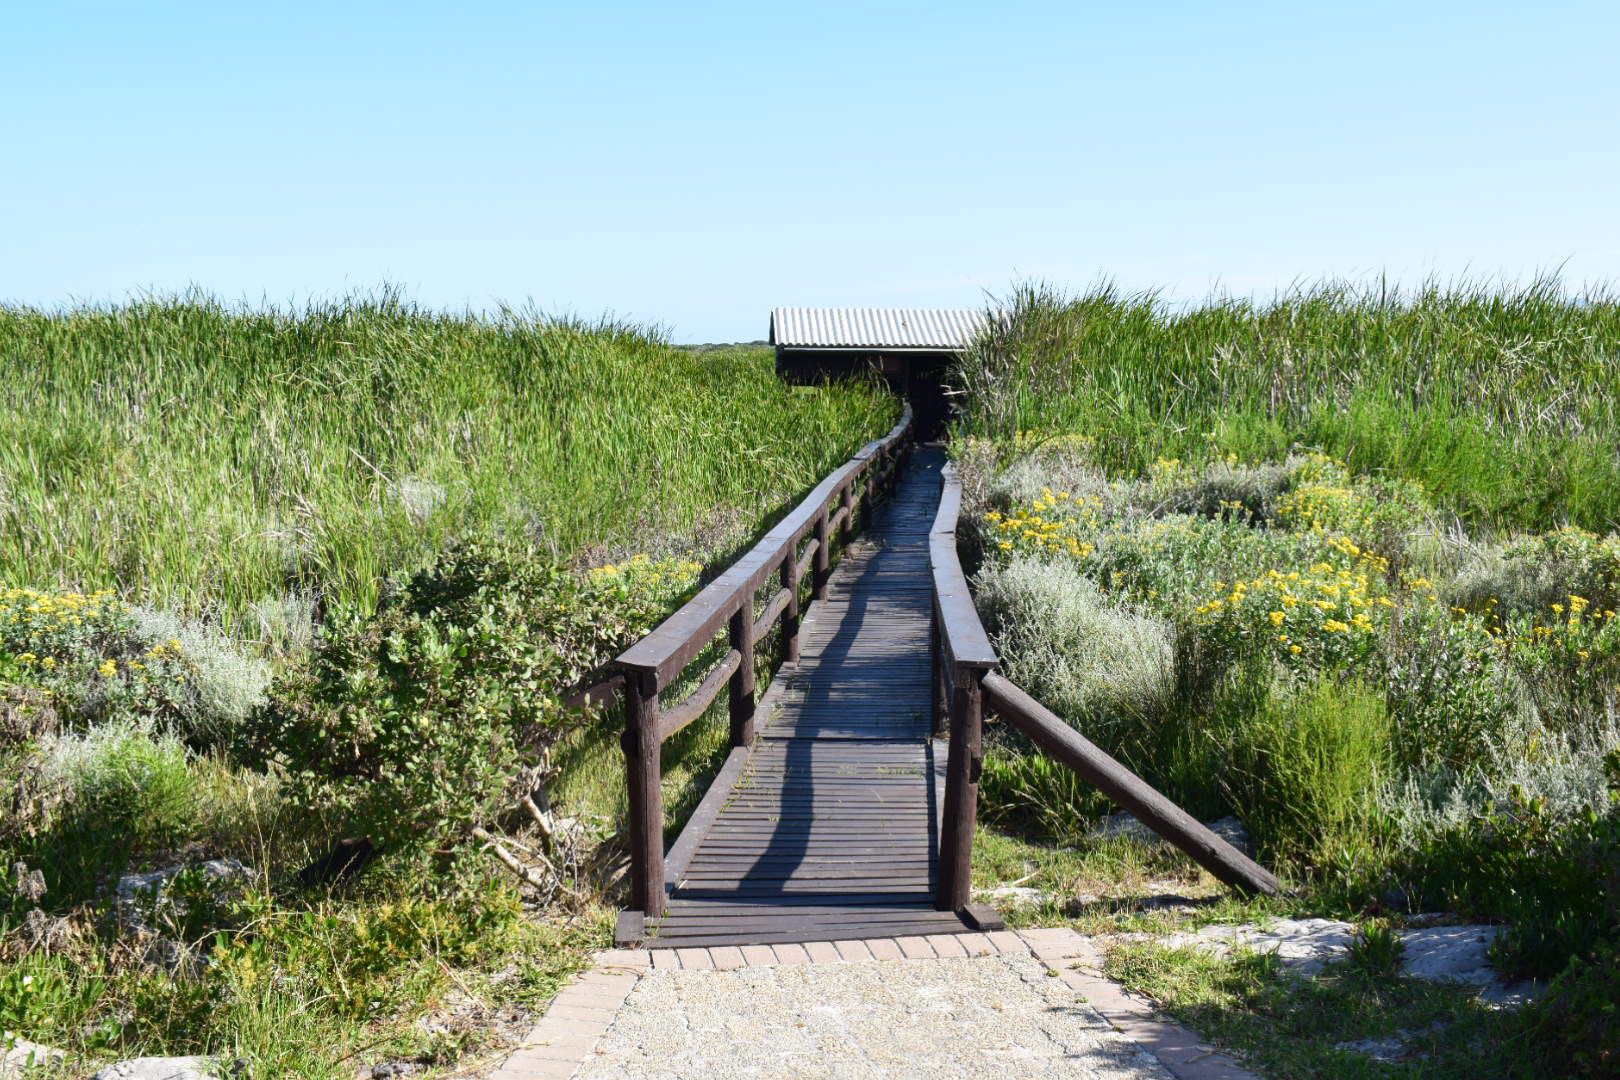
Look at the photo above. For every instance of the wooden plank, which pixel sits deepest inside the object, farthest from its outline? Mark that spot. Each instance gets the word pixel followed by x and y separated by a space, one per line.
pixel 641 748
pixel 708 809
pixel 772 612
pixel 600 692
pixel 962 634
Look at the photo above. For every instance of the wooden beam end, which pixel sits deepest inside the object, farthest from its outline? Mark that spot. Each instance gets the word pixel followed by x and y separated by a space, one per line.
pixel 982 917
pixel 631 929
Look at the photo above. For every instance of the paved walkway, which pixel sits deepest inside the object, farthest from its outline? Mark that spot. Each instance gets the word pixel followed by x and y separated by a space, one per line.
pixel 1001 1005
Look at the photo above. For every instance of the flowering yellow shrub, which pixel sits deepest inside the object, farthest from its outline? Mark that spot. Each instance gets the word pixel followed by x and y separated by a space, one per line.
pixel 1322 615
pixel 664 576
pixel 81 647
pixel 1051 524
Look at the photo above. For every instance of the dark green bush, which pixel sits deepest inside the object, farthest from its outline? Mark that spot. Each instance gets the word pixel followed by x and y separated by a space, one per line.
pixel 1553 878
pixel 419 721
pixel 1579 1020
pixel 1302 769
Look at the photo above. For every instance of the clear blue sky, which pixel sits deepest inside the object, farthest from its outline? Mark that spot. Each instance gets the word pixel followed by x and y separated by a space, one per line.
pixel 697 164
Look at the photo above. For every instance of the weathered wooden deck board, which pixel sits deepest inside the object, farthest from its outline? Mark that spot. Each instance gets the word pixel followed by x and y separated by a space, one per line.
pixel 831 831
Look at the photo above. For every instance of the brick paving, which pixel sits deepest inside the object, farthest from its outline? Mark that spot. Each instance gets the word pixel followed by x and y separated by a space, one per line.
pixel 581 1014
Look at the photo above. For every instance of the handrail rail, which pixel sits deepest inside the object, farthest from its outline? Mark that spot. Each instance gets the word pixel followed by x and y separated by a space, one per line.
pixel 967 684
pixel 961 632
pixel 657 661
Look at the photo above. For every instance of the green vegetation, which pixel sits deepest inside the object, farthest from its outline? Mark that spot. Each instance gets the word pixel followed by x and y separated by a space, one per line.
pixel 288 604
pixel 1502 403
pixel 245 463
pixel 1294 1028
pixel 1338 567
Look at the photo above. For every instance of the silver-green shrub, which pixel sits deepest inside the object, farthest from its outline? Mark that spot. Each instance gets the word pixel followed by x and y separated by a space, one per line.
pixel 1089 658
pixel 227 682
pixel 1564 767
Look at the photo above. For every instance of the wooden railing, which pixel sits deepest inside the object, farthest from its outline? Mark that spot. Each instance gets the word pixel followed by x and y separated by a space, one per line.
pixel 800 544
pixel 966 684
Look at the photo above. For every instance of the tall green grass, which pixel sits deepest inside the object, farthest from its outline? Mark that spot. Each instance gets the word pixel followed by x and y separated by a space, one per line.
pixel 1504 403
pixel 201 456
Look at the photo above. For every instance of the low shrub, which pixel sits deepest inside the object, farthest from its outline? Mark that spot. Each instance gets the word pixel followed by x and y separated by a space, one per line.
pixel 1451 691
pixel 1578 1021
pixel 1527 575
pixel 1375 952
pixel 1226 487
pixel 1033 792
pixel 103 660
pixel 225 683
pixel 85 804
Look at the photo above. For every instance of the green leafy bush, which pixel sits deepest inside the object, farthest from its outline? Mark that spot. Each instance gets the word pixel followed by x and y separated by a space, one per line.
pixel 1302 770
pixel 1375 951
pixel 427 717
pixel 1451 691
pixel 1579 1019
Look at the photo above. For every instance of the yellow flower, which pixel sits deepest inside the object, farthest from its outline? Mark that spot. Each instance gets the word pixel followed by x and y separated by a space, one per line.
pixel 1277 618
pixel 108 668
pixel 1295 649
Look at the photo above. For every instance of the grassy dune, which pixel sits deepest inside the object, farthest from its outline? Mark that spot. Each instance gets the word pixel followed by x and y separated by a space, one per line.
pixel 1345 566
pixel 1505 404
pixel 196 456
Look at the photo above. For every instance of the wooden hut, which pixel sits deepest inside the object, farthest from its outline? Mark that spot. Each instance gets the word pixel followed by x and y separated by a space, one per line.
pixel 909 348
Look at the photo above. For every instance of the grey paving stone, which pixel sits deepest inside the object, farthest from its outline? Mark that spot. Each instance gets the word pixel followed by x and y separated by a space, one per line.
pixel 960 1017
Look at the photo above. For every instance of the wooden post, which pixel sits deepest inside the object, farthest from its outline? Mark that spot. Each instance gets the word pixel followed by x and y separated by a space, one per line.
pixel 961 792
pixel 823 567
pixel 847 501
pixel 790 615
pixel 869 491
pixel 645 774
pixel 742 680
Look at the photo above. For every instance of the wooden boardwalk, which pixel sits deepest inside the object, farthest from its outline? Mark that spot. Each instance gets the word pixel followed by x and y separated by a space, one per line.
pixel 831 830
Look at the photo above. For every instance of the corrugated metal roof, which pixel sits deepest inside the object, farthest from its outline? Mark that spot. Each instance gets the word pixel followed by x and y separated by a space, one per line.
pixel 875 328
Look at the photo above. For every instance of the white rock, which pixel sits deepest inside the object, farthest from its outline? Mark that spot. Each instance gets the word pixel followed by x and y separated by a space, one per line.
pixel 158 1068
pixel 215 871
pixel 22 1055
pixel 1454 953
pixel 1435 953
pixel 138 894
pixel 1387 1050
pixel 1015 894
pixel 1302 944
